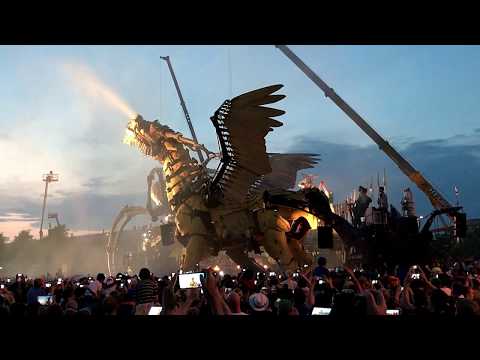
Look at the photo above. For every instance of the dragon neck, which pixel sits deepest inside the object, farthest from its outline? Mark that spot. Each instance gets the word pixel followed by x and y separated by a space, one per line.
pixel 178 170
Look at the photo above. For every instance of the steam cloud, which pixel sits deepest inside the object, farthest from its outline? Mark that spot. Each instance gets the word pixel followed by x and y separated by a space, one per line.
pixel 85 79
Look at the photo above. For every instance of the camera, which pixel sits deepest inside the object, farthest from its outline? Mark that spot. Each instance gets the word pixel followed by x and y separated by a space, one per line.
pixel 321 311
pixel 155 310
pixel 44 300
pixel 190 281
pixel 393 312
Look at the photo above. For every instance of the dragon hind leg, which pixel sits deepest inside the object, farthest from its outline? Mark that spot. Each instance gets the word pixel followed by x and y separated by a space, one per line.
pixel 274 240
pixel 301 257
pixel 197 250
pixel 242 258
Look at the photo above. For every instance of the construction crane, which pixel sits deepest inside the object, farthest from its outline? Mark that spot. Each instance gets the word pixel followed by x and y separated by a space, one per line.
pixel 182 103
pixel 54 216
pixel 436 199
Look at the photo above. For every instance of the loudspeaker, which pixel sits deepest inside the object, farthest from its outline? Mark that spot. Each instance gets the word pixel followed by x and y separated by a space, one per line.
pixel 461 224
pixel 325 237
pixel 167 233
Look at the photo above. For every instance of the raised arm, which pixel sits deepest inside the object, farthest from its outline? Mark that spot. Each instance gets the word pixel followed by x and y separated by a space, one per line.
pixel 311 284
pixel 354 279
pixel 219 306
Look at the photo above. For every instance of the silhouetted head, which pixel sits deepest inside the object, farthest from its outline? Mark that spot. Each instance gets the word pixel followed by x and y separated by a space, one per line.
pixel 321 261
pixel 144 274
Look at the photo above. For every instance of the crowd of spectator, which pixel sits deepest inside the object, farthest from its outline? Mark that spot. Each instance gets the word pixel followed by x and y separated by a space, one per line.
pixel 432 289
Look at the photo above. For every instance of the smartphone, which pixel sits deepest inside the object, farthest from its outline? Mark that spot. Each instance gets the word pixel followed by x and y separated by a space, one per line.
pixel 48 285
pixel 321 311
pixel 44 300
pixel 414 267
pixel 415 276
pixel 129 281
pixel 295 274
pixel 320 282
pixel 2 286
pixel 121 285
pixel 155 310
pixel 393 312
pixel 374 282
pixel 190 281
pixel 272 274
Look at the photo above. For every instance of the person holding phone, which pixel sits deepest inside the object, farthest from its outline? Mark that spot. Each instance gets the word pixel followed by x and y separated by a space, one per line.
pixel 146 292
pixel 291 280
pixel 36 291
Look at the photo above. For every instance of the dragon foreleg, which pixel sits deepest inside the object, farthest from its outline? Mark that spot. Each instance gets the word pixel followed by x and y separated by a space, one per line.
pixel 122 219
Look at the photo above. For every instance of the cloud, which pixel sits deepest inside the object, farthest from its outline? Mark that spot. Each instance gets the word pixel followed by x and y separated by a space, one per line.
pixel 82 212
pixel 98 182
pixel 444 162
pixel 17 217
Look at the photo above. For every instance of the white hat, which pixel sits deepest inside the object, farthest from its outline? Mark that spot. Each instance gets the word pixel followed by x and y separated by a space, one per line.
pixel 258 302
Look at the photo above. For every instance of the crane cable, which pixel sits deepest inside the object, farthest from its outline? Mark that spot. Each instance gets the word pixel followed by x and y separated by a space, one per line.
pixel 161 92
pixel 229 69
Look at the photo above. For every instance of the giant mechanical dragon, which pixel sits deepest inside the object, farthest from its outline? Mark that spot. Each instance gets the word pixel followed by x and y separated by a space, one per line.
pixel 242 206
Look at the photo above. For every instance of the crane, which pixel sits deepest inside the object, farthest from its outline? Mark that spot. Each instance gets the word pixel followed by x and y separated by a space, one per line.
pixel 182 103
pixel 436 199
pixel 54 216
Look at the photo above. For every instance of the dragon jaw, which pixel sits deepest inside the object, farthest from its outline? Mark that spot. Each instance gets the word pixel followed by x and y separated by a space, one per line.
pixel 137 134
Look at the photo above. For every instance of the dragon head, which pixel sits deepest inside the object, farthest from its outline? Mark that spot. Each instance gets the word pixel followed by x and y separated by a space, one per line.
pixel 146 136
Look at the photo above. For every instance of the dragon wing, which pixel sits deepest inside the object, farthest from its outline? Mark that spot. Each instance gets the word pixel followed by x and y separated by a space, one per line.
pixel 241 125
pixel 284 170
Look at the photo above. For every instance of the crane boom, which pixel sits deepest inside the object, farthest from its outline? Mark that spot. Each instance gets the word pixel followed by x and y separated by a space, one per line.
pixel 182 103
pixel 436 199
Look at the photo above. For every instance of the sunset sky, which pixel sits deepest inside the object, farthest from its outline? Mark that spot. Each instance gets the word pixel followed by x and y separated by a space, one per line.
pixel 64 108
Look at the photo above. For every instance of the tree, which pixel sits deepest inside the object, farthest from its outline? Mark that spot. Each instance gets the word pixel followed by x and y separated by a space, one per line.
pixel 20 252
pixel 3 239
pixel 23 236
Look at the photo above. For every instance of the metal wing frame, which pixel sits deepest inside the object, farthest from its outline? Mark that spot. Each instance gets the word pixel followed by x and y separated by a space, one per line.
pixel 241 125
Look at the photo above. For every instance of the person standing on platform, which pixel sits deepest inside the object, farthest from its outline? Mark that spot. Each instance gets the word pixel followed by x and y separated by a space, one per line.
pixel 383 204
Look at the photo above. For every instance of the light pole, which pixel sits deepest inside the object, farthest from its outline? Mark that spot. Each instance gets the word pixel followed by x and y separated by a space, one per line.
pixel 48 178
